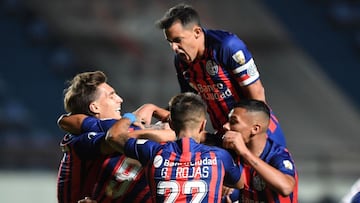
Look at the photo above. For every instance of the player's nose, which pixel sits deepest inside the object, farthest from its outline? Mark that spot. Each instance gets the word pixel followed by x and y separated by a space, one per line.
pixel 226 126
pixel 174 46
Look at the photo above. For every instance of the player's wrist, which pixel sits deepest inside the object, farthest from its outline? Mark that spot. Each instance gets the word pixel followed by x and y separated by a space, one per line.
pixel 130 116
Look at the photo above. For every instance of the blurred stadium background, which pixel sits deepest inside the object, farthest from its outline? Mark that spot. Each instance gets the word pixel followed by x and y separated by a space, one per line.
pixel 308 53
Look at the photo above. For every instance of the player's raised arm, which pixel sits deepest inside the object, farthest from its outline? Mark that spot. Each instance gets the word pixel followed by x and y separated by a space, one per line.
pixel 71 123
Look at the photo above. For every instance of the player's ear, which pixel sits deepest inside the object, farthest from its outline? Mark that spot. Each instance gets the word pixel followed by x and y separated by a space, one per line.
pixel 94 107
pixel 197 31
pixel 256 128
pixel 171 125
pixel 203 126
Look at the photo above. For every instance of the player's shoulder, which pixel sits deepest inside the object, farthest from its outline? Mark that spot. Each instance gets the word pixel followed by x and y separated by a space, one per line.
pixel 67 139
pixel 275 147
pixel 222 37
pixel 217 150
pixel 276 153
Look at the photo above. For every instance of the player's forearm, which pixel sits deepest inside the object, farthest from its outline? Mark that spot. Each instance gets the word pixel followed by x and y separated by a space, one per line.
pixel 71 123
pixel 118 134
pixel 161 114
pixel 278 181
pixel 147 111
pixel 155 135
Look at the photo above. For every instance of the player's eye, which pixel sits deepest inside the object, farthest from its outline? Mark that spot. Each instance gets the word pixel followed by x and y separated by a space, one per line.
pixel 232 121
pixel 177 40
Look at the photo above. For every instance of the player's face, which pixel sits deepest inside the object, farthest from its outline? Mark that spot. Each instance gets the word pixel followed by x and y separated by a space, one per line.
pixel 239 121
pixel 184 41
pixel 108 103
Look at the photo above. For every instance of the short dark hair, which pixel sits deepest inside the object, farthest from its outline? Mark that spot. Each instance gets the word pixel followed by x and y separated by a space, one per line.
pixel 82 90
pixel 186 110
pixel 253 105
pixel 182 12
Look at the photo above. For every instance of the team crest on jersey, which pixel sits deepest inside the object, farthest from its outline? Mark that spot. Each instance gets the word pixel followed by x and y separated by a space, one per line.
pixel 212 68
pixel 158 161
pixel 258 183
pixel 239 57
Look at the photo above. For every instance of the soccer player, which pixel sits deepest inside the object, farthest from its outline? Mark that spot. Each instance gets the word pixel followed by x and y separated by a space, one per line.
pixel 88 160
pixel 269 170
pixel 182 170
pixel 215 64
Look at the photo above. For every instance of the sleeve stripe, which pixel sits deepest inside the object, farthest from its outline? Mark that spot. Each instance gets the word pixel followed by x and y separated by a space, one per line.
pixel 250 64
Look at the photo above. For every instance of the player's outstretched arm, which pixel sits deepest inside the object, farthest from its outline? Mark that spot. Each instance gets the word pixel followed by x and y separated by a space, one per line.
pixel 71 123
pixel 118 134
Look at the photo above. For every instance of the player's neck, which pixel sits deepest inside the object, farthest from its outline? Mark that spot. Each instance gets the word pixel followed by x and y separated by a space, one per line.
pixel 190 134
pixel 201 48
pixel 257 144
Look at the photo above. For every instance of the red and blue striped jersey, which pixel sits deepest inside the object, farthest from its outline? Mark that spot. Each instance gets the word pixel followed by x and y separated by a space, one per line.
pixel 227 66
pixel 256 190
pixel 79 166
pixel 113 178
pixel 122 180
pixel 184 171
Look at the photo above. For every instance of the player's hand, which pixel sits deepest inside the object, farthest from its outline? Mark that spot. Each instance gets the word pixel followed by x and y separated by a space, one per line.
pixel 144 113
pixel 226 192
pixel 234 140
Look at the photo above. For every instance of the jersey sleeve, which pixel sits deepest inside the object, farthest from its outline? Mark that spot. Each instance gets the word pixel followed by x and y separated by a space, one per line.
pixel 237 57
pixel 142 150
pixel 232 170
pixel 283 162
pixel 92 124
pixel 87 145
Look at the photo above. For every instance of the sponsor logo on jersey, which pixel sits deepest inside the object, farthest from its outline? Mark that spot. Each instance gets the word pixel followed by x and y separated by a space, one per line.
pixel 239 57
pixel 158 160
pixel 189 169
pixel 216 91
pixel 212 68
pixel 201 162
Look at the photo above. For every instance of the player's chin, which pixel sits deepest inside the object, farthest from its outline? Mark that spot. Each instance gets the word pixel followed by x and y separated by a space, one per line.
pixel 117 115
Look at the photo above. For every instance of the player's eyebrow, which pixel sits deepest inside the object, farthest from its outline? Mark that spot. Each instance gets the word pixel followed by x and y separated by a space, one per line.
pixel 176 40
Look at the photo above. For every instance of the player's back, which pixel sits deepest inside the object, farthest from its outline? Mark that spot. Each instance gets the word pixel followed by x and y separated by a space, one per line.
pixel 121 179
pixel 77 173
pixel 185 171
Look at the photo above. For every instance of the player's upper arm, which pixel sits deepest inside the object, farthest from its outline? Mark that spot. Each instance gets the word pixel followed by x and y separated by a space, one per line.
pixel 255 91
